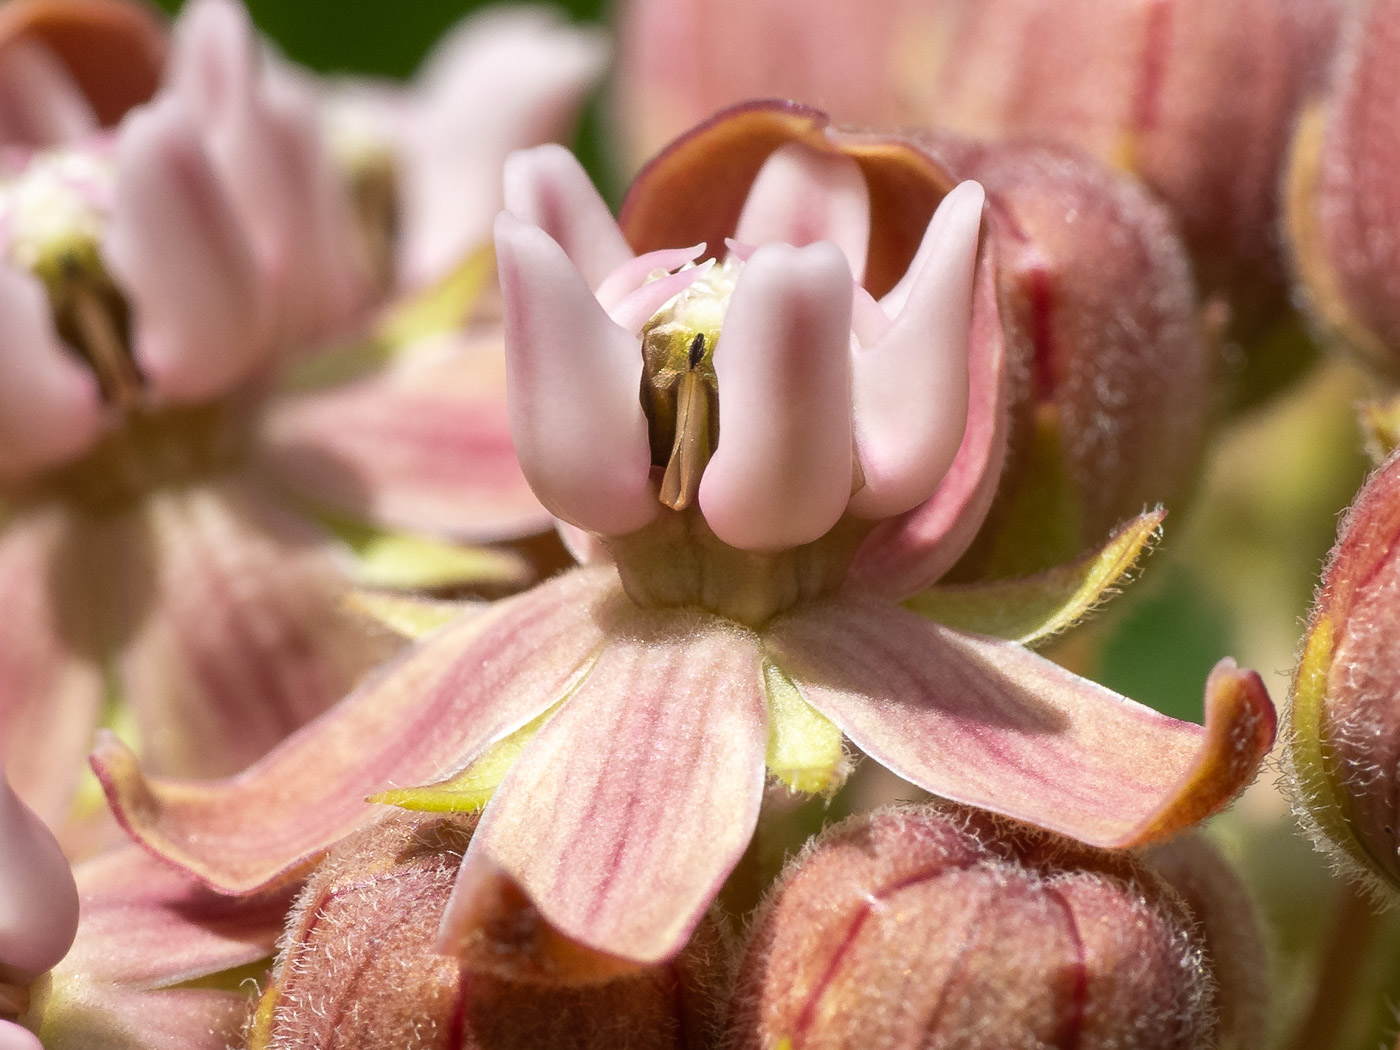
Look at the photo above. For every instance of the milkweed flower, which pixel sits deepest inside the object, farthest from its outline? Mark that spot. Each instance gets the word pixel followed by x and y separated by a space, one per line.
pixel 424 161
pixel 819 430
pixel 155 284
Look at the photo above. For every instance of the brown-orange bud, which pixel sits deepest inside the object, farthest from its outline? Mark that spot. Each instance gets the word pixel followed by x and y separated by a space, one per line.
pixel 358 970
pixel 944 927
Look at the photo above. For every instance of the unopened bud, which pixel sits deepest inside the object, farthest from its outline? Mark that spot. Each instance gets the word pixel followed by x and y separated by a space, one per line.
pixel 942 927
pixel 358 969
pixel 1344 740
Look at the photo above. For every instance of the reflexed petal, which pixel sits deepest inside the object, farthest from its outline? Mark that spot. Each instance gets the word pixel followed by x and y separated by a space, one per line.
pixel 38 901
pixel 40 104
pixel 504 80
pixel 574 377
pixel 108 1017
pixel 548 188
pixel 145 924
pixel 907 554
pixel 247 636
pixel 781 474
pixel 803 195
pixel 177 248
pixel 422 444
pixel 49 406
pixel 626 813
pixel 910 386
pixel 993 725
pixel 49 695
pixel 425 716
pixel 1031 609
pixel 112 50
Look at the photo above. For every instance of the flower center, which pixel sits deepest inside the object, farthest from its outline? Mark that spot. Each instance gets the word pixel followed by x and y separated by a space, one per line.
pixel 53 213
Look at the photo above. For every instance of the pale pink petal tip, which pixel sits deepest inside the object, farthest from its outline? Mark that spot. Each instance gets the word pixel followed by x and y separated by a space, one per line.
pixel 40 102
pixel 50 407
pixel 910 385
pixel 633 312
pixel 38 898
pixel 573 378
pixel 13 1037
pixel 180 253
pixel 547 187
pixel 632 274
pixel 781 474
pixel 212 56
pixel 803 195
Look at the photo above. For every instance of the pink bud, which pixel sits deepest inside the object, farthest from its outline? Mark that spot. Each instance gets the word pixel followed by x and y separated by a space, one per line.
pixel 940 926
pixel 358 967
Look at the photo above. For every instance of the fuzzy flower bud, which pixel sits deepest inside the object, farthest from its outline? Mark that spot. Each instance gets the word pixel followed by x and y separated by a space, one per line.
pixel 941 927
pixel 359 968
pixel 1345 727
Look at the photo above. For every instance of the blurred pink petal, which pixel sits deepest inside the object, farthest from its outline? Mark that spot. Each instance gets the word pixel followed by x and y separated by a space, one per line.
pixel 576 419
pixel 993 725
pixel 49 694
pixel 246 637
pixel 503 80
pixel 910 386
pixel 423 444
pixel 50 410
pixel 177 248
pixel 781 474
pixel 628 810
pixel 38 900
pixel 40 103
pixel 461 690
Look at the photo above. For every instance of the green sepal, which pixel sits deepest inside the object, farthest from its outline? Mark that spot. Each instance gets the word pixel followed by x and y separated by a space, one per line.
pixel 805 747
pixel 1034 608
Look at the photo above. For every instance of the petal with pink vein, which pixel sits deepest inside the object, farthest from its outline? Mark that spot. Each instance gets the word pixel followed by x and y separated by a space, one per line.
pixel 49 694
pixel 627 812
pixel 993 725
pixel 247 635
pixel 419 719
pixel 423 444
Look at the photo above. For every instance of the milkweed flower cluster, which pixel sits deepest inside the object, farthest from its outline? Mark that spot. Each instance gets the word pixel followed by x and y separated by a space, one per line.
pixel 843 415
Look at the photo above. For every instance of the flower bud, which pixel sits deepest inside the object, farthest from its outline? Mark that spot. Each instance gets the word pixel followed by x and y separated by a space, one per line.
pixel 358 967
pixel 1344 733
pixel 941 927
pixel 1344 202
pixel 1114 405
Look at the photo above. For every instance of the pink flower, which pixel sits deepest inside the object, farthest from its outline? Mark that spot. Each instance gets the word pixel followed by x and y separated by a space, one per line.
pixel 156 287
pixel 819 431
pixel 38 910
pixel 502 80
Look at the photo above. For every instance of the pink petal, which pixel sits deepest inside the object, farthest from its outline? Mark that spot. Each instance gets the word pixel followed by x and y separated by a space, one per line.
pixel 421 718
pixel 548 188
pixel 110 1017
pixel 263 135
pixel 49 695
pixel 626 813
pixel 246 635
pixel 781 474
pixel 180 254
pixel 50 410
pixel 910 386
pixel 907 554
pixel 503 81
pixel 38 900
pixel 573 379
pixel 145 924
pixel 40 103
pixel 803 195
pixel 13 1037
pixel 424 444
pixel 635 310
pixel 631 276
pixel 993 725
